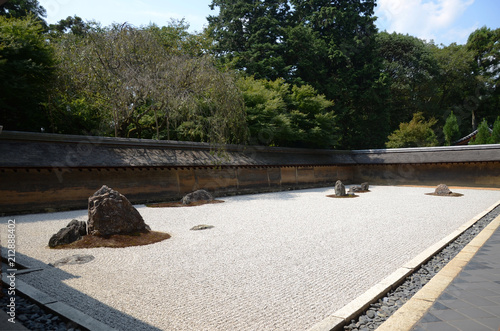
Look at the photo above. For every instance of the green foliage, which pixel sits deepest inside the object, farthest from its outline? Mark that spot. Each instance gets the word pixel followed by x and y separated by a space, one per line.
pixel 351 65
pixel 450 129
pixel 167 83
pixel 71 24
pixel 144 84
pixel 484 44
pixel 291 116
pixel 456 84
pixel 483 135
pixel 411 68
pixel 176 38
pixel 416 133
pixel 26 67
pixel 24 8
pixel 329 45
pixel 495 134
pixel 249 34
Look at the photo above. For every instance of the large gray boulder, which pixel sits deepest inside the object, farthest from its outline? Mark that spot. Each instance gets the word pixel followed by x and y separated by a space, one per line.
pixel 199 195
pixel 339 189
pixel 111 213
pixel 74 231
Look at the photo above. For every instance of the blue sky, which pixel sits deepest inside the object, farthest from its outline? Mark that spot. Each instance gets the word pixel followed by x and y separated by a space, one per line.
pixel 444 21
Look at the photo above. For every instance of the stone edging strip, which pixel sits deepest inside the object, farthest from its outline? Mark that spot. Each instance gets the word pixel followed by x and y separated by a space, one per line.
pixel 413 310
pixel 343 316
pixel 59 308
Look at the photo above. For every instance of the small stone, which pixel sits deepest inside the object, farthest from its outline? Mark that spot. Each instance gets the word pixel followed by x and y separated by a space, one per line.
pixel 201 227
pixel 22 318
pixel 363 319
pixel 370 314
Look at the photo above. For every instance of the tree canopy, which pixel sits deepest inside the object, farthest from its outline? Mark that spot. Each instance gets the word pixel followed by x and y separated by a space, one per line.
pixel 24 8
pixel 292 116
pixel 142 86
pixel 416 133
pixel 26 66
pixel 299 73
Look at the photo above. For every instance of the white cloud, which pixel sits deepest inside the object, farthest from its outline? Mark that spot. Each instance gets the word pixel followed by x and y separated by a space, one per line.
pixel 432 19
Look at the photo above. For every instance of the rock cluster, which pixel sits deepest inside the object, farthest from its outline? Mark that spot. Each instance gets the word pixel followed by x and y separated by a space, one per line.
pixel 111 213
pixel 362 188
pixel 199 195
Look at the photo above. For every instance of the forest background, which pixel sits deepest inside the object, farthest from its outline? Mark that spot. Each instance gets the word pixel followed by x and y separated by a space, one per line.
pixel 292 73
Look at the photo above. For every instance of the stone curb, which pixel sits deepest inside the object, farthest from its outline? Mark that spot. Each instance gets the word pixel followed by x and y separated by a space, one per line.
pixel 413 310
pixel 59 308
pixel 343 316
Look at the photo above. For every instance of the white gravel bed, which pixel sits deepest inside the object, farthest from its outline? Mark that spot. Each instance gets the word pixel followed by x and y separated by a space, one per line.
pixel 276 261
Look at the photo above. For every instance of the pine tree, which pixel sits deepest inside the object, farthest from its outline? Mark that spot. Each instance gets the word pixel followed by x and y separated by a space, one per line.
pixel 495 135
pixel 450 129
pixel 483 134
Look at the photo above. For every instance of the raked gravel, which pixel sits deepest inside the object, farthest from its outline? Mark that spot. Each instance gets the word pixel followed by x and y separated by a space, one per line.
pixel 276 261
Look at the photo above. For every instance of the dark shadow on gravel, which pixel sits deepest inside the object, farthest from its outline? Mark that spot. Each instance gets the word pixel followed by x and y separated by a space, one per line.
pixel 53 278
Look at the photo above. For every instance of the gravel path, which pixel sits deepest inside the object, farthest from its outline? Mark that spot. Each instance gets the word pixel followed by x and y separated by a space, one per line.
pixel 381 310
pixel 272 261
